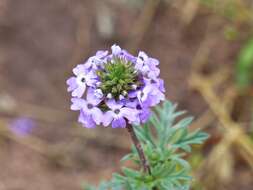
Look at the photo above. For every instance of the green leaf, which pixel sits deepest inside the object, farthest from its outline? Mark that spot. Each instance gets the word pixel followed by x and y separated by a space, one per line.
pixel 127 157
pixel 131 173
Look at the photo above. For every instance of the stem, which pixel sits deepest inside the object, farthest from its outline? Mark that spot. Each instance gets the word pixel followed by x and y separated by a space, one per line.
pixel 139 149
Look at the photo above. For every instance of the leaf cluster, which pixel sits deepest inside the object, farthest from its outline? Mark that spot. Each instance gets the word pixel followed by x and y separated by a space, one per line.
pixel 165 140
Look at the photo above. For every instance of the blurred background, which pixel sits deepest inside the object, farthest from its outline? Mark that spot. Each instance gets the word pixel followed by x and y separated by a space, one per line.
pixel 205 48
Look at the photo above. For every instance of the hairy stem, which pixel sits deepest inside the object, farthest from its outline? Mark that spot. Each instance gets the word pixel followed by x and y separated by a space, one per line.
pixel 137 145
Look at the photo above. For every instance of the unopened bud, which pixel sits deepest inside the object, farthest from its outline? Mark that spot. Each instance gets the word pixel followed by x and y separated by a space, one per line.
pixel 124 93
pixel 121 97
pixel 109 96
pixel 98 93
pixel 134 86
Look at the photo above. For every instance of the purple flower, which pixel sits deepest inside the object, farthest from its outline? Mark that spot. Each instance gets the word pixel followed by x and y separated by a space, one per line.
pixel 86 120
pixel 161 85
pixel 22 126
pixel 143 111
pixel 128 56
pixel 122 88
pixel 118 114
pixel 140 62
pixel 147 65
pixel 144 114
pixel 83 78
pixel 150 95
pixel 90 113
pixel 116 50
pixel 96 61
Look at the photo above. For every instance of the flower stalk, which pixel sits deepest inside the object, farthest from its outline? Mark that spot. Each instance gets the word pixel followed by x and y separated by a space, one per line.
pixel 139 149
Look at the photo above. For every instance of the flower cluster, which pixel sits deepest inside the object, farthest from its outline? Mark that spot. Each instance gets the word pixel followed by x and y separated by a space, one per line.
pixel 115 89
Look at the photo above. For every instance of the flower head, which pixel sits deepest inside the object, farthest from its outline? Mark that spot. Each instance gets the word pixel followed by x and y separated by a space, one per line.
pixel 116 89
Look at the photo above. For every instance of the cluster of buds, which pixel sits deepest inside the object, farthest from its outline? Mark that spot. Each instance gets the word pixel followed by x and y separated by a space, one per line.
pixel 115 88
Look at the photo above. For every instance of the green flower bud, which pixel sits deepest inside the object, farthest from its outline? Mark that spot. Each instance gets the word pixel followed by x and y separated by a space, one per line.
pixel 117 77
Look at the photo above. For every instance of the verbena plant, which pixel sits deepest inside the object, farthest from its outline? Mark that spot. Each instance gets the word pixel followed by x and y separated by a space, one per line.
pixel 119 89
pixel 165 143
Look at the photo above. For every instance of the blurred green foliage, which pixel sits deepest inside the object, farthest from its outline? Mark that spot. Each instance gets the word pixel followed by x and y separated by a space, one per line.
pixel 230 33
pixel 234 10
pixel 244 66
pixel 227 8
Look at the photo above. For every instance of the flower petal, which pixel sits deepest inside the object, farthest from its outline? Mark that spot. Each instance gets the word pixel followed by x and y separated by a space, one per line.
pixel 79 69
pixel 98 93
pixel 142 95
pixel 143 56
pixel 132 94
pixel 86 120
pixel 115 49
pixel 91 78
pixel 153 74
pixel 101 53
pixel 128 56
pixel 78 104
pixel 119 123
pixel 71 82
pixel 113 105
pixel 145 115
pixel 107 118
pixel 153 61
pixel 161 85
pixel 79 91
pixel 91 98
pixel 97 115
pixel 129 113
pixel 131 104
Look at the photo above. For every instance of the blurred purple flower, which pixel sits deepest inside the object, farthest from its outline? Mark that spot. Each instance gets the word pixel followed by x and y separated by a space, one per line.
pixel 22 126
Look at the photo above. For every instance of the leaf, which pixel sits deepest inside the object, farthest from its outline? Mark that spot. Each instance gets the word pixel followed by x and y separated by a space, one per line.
pixel 118 178
pixel 131 173
pixel 127 157
pixel 185 141
pixel 183 123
